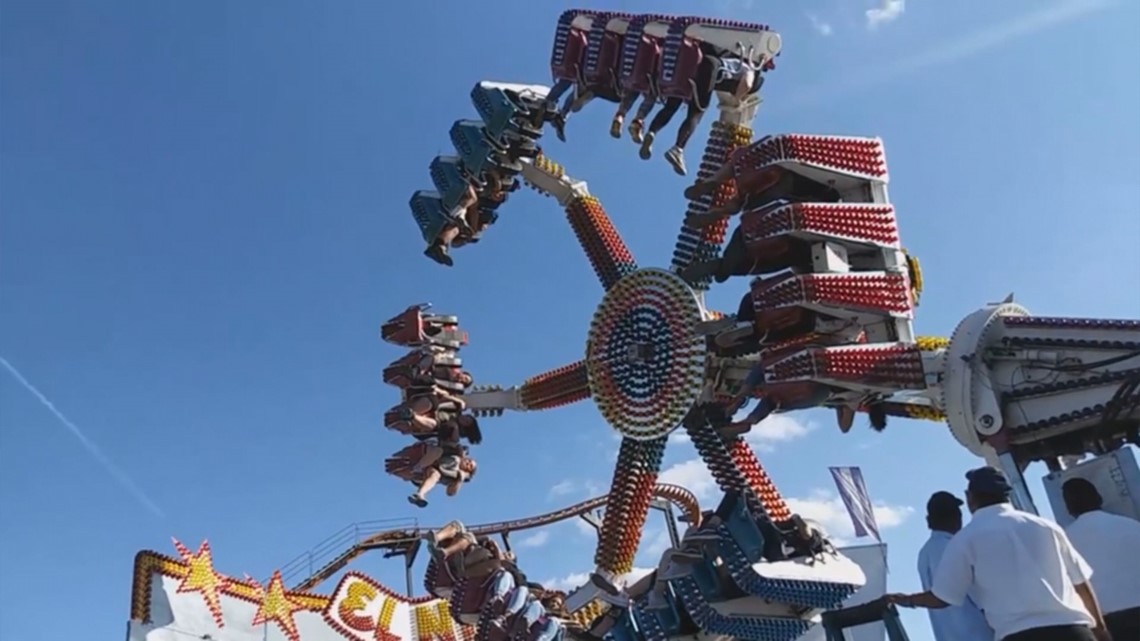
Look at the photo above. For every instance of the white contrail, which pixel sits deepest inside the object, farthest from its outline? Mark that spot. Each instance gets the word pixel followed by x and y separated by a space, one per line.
pixel 954 50
pixel 93 449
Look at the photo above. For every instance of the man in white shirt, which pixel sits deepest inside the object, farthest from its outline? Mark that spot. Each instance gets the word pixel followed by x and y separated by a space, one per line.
pixel 1021 570
pixel 957 622
pixel 1111 545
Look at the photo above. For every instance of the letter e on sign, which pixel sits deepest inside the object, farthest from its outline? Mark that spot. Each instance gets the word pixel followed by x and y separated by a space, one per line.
pixel 356 599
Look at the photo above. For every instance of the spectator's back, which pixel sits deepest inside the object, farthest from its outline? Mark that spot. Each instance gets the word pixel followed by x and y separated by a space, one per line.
pixel 1022 568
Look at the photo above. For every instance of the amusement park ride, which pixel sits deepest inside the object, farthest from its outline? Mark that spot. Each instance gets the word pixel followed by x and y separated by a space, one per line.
pixel 826 321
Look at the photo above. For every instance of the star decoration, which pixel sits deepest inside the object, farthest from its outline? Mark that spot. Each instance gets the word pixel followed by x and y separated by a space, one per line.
pixel 201 577
pixel 276 606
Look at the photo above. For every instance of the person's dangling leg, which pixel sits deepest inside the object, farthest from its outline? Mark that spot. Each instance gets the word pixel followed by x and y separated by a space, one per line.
pixel 723 174
pixel 556 115
pixel 619 116
pixel 459 544
pixel 735 261
pixel 451 530
pixel 726 172
pixel 676 155
pixel 638 123
pixel 428 459
pixel 698 101
pixel 438 251
pixel 470 197
pixel 423 422
pixel 567 104
pixel 557 90
pixel 431 479
pixel 747 387
pixel 472 217
pixel 660 121
pixel 719 268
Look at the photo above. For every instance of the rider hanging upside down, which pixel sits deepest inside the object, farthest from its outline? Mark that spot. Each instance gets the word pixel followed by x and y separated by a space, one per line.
pixel 446 457
pixel 426 373
pixel 716 72
pixel 446 440
pixel 467 555
pixel 454 470
pixel 428 407
pixel 471 215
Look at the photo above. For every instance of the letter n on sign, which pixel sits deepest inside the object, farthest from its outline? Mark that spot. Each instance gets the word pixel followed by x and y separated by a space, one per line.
pixel 433 622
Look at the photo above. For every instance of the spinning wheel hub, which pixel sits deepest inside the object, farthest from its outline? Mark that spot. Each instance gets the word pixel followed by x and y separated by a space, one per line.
pixel 644 357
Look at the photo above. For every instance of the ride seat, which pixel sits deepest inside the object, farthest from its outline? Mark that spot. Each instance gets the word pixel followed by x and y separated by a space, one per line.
pixel 451 180
pixel 492 630
pixel 503 112
pixel 401 462
pixel 429 214
pixel 625 629
pixel 566 66
pixel 680 61
pixel 707 580
pixel 478 151
pixel 740 526
pixel 668 618
pixel 603 65
pixel 475 594
pixel 643 75
pixel 438 580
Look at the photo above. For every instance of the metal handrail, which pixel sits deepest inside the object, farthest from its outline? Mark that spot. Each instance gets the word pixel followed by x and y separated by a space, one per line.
pixel 333 547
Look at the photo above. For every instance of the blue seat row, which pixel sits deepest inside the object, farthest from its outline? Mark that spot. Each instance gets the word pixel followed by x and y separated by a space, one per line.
pixel 510 125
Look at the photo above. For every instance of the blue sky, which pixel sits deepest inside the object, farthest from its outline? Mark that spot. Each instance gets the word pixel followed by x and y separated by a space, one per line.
pixel 205 222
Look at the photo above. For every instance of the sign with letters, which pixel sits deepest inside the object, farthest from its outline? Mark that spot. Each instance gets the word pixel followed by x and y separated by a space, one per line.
pixel 363 610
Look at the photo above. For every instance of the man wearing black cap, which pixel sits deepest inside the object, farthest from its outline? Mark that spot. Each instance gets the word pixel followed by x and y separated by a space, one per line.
pixel 957 622
pixel 1021 570
pixel 1111 545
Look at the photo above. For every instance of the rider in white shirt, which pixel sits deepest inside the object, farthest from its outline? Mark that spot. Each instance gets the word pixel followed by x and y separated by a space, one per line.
pixel 1020 569
pixel 1111 545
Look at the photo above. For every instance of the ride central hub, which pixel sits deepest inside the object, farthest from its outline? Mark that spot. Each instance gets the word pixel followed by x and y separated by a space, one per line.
pixel 644 358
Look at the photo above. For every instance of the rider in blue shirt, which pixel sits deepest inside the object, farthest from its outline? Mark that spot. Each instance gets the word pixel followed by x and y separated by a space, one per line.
pixel 954 623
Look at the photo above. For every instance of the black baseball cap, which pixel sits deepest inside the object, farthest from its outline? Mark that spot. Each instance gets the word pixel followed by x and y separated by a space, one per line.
pixel 942 503
pixel 987 480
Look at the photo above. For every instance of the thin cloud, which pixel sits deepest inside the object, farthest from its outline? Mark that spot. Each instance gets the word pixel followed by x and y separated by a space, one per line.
pixel 951 51
pixel 822 28
pixel 562 488
pixel 888 11
pixel 118 474
pixel 536 540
